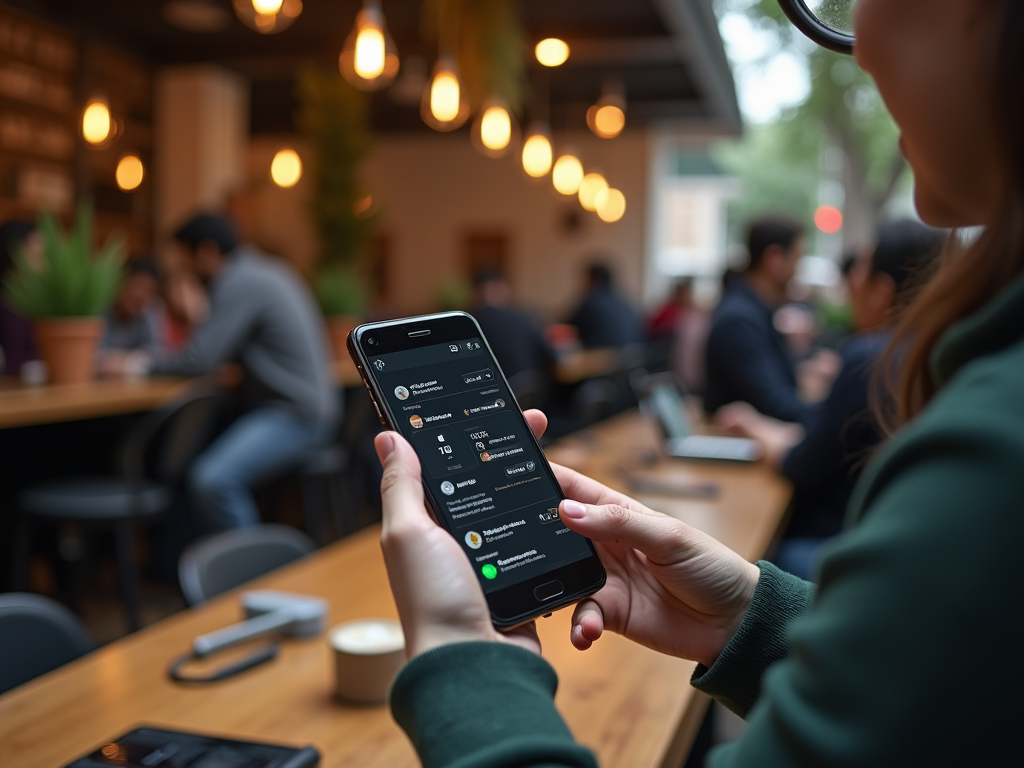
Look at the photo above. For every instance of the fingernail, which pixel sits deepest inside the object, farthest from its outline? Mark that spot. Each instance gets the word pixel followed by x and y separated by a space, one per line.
pixel 574 509
pixel 385 444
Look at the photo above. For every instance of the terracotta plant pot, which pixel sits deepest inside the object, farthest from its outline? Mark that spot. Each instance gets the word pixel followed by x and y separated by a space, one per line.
pixel 68 345
pixel 338 327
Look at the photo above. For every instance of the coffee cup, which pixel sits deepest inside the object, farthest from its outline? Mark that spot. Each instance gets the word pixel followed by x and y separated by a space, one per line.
pixel 367 656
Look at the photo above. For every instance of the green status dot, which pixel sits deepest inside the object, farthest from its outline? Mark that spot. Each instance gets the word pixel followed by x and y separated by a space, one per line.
pixel 490 571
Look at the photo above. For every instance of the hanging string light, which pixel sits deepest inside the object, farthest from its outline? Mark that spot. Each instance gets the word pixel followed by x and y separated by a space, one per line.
pixel 495 132
pixel 567 174
pixel 552 52
pixel 593 184
pixel 369 58
pixel 268 17
pixel 286 168
pixel 537 152
pixel 129 173
pixel 99 126
pixel 607 117
pixel 444 108
pixel 611 204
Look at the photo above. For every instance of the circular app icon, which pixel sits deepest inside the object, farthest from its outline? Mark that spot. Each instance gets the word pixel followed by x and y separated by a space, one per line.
pixel 480 446
pixel 500 403
pixel 489 571
pixel 485 456
pixel 474 540
pixel 416 421
pixel 401 393
pixel 447 488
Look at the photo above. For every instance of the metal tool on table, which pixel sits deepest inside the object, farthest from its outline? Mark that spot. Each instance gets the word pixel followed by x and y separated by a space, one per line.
pixel 269 613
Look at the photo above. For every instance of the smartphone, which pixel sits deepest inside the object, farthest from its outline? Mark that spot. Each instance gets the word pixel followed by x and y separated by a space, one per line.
pixel 434 380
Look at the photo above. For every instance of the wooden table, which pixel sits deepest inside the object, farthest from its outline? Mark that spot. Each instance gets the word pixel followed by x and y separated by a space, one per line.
pixel 22 405
pixel 634 707
pixel 580 365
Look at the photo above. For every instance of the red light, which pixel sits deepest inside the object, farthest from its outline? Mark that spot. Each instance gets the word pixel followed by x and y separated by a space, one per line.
pixel 828 219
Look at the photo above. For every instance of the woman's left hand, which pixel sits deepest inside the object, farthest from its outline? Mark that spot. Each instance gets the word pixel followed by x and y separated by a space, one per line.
pixel 436 589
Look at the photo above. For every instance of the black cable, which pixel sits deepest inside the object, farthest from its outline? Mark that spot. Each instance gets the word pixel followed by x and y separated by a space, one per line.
pixel 265 653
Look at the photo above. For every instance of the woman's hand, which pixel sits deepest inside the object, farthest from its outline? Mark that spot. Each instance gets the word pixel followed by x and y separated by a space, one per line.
pixel 670 587
pixel 777 438
pixel 436 589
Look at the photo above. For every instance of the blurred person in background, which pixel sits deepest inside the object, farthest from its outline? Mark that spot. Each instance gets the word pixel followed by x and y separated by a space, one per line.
pixel 604 318
pixel 135 321
pixel 825 462
pixel 16 340
pixel 747 359
pixel 263 318
pixel 516 338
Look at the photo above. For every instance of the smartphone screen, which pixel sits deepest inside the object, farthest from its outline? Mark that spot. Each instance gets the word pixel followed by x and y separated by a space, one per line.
pixel 483 471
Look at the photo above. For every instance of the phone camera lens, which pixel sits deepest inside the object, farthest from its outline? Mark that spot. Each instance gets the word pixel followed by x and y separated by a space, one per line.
pixel 371 341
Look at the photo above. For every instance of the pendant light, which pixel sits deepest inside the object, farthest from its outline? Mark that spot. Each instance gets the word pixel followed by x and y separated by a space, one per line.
pixel 593 184
pixel 369 58
pixel 551 52
pixel 286 168
pixel 611 204
pixel 495 132
pixel 607 117
pixel 99 127
pixel 537 153
pixel 444 107
pixel 129 173
pixel 567 173
pixel 268 17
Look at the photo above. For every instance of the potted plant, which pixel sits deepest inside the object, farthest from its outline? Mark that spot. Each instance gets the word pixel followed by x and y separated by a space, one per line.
pixel 333 118
pixel 341 292
pixel 66 294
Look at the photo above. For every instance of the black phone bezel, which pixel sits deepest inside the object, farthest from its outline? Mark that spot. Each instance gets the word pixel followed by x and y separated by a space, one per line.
pixel 515 604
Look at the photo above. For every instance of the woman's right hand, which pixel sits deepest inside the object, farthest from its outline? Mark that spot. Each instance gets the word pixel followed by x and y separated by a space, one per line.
pixel 670 587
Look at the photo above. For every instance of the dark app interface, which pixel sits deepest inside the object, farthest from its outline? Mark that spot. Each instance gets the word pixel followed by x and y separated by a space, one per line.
pixel 478 460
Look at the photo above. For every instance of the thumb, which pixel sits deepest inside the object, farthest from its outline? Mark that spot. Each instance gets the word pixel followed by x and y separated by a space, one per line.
pixel 662 539
pixel 401 487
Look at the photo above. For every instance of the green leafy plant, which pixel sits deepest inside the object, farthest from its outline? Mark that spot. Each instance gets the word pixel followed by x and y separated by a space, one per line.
pixel 72 279
pixel 340 291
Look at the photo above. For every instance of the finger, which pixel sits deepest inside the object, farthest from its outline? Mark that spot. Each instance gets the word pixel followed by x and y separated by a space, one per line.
pixel 580 487
pixel 538 422
pixel 401 487
pixel 587 624
pixel 663 539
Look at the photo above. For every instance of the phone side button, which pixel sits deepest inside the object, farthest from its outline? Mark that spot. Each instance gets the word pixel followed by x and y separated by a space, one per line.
pixel 548 591
pixel 379 417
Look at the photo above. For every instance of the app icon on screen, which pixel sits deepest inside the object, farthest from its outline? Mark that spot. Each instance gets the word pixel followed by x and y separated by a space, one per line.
pixel 447 488
pixel 416 420
pixel 474 540
pixel 401 393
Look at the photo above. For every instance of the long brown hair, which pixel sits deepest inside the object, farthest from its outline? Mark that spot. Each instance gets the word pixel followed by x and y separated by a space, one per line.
pixel 969 277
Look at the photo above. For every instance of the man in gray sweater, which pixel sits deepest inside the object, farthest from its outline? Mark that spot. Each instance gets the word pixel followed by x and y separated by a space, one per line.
pixel 263 318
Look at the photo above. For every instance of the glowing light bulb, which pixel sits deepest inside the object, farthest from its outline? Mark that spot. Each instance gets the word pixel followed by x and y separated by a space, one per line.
pixel 369 61
pixel 129 173
pixel 552 52
pixel 611 204
pixel 610 120
pixel 592 185
pixel 96 123
pixel 567 175
pixel 537 155
pixel 496 128
pixel 286 168
pixel 267 6
pixel 445 96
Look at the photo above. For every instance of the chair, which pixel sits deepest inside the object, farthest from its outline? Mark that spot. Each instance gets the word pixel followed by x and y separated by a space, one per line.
pixel 153 460
pixel 39 635
pixel 222 561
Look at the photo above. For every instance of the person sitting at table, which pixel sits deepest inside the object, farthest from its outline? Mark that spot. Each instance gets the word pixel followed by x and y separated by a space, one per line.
pixel 746 358
pixel 908 650
pixel 134 321
pixel 515 337
pixel 825 461
pixel 604 318
pixel 262 317
pixel 16 340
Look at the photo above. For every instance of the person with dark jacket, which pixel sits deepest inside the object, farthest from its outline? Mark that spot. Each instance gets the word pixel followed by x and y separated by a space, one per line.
pixel 746 357
pixel 16 340
pixel 604 318
pixel 825 461
pixel 516 338
pixel 907 652
pixel 263 318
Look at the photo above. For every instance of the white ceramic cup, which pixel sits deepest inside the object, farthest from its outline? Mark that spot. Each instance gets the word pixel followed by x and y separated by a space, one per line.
pixel 367 656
